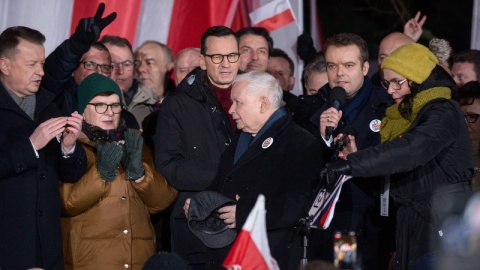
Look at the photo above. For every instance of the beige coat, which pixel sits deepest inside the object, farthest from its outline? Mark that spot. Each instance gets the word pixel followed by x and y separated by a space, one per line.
pixel 106 225
pixel 141 102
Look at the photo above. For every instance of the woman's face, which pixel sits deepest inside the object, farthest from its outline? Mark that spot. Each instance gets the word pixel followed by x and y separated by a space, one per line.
pixel 398 85
pixel 107 120
pixel 472 111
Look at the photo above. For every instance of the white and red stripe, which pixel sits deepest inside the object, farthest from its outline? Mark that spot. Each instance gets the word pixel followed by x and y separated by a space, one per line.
pixel 177 23
pixel 251 251
pixel 273 15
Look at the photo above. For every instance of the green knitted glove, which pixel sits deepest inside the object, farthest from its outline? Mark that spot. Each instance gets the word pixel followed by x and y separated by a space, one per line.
pixel 132 158
pixel 108 159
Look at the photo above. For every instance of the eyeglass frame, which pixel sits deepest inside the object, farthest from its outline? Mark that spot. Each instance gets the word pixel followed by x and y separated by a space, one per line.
pixel 475 116
pixel 389 84
pixel 223 57
pixel 102 66
pixel 116 66
pixel 108 105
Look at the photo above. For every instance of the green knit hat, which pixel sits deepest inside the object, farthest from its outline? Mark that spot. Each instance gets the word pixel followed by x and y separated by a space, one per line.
pixel 93 85
pixel 413 61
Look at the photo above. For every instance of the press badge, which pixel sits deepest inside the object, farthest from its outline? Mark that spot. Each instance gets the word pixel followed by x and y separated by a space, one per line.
pixel 384 196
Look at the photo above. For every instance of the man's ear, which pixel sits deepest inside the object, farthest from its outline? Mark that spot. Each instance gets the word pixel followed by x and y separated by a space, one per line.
pixel 202 62
pixel 365 68
pixel 170 66
pixel 5 66
pixel 264 104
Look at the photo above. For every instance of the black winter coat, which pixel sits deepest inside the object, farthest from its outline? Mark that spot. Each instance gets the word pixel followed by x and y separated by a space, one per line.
pixel 286 172
pixel 29 194
pixel 432 159
pixel 192 133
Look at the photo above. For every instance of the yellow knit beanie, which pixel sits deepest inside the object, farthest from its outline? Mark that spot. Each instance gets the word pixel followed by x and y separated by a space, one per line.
pixel 413 61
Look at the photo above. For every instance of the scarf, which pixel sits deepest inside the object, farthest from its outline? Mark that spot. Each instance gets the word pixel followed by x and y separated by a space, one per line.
pixel 246 139
pixel 97 134
pixel 353 106
pixel 394 125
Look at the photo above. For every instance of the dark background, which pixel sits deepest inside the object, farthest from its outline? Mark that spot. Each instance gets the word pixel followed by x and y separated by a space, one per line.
pixel 374 19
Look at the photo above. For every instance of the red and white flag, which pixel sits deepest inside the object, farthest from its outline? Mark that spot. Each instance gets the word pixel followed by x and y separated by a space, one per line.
pixel 251 251
pixel 273 15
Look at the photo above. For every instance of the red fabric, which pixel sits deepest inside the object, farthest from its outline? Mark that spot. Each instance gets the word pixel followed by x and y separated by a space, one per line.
pixel 125 25
pixel 191 18
pixel 247 252
pixel 224 98
pixel 281 19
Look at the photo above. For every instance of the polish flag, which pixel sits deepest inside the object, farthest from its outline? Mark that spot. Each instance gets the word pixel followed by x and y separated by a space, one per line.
pixel 177 23
pixel 273 15
pixel 251 251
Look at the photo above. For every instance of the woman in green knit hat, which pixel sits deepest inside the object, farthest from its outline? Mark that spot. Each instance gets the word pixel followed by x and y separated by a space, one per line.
pixel 106 214
pixel 424 152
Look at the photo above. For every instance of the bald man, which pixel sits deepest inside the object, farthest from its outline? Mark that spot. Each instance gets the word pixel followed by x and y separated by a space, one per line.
pixel 389 44
pixel 185 61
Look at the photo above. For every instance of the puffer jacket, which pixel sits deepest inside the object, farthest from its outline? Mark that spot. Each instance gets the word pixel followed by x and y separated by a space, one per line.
pixel 106 225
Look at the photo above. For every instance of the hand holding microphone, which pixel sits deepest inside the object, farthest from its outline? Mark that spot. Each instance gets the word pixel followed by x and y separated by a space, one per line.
pixel 330 117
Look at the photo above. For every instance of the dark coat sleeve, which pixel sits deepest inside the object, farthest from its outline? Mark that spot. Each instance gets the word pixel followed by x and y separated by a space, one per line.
pixel 436 127
pixel 73 167
pixel 171 158
pixel 58 68
pixel 17 157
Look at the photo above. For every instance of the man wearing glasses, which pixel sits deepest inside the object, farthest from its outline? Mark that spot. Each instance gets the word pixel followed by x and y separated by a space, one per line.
pixel 193 130
pixel 75 59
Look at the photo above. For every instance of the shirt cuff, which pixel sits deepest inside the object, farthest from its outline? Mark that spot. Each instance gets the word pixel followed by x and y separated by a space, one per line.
pixel 67 154
pixel 329 142
pixel 36 153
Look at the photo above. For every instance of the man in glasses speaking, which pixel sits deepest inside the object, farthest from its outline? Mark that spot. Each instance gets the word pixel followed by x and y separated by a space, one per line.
pixel 193 130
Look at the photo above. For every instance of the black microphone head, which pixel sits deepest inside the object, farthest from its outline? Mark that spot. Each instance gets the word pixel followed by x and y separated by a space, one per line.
pixel 338 93
pixel 349 130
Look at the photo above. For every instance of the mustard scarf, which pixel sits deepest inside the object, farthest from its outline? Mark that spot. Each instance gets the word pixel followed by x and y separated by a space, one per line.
pixel 394 125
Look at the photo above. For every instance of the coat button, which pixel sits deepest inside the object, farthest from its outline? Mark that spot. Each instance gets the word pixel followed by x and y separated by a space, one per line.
pixel 124 198
pixel 229 179
pixel 42 176
pixel 20 167
pixel 40 213
pixel 126 265
pixel 125 231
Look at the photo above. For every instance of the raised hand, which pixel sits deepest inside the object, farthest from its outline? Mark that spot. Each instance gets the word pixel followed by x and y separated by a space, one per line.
pixel 72 131
pixel 47 131
pixel 132 159
pixel 413 27
pixel 108 159
pixel 89 29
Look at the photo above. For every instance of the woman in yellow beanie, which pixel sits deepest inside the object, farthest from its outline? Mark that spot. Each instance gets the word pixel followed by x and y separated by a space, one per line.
pixel 106 214
pixel 424 152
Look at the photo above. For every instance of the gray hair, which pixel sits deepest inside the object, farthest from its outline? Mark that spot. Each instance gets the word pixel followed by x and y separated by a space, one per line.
pixel 262 83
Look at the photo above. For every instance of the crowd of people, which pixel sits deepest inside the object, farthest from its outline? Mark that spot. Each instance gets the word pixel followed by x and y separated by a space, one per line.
pixel 105 146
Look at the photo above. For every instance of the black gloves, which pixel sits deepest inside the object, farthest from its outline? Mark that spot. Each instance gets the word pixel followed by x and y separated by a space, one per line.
pixel 108 159
pixel 305 49
pixel 132 158
pixel 332 171
pixel 88 31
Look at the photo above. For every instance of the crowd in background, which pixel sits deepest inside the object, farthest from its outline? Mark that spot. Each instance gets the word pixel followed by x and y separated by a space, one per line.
pixel 105 147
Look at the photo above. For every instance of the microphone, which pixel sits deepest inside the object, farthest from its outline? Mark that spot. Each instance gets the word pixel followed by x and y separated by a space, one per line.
pixel 336 99
pixel 340 144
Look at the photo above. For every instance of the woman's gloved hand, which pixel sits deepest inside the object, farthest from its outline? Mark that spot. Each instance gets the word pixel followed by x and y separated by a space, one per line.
pixel 132 158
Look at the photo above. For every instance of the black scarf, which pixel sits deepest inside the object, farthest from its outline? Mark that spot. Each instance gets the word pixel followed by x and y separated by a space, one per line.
pixel 98 134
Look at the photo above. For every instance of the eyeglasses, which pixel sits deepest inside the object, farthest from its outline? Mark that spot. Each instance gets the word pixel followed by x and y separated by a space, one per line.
pixel 396 85
pixel 101 108
pixel 218 58
pixel 127 65
pixel 93 66
pixel 471 118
